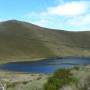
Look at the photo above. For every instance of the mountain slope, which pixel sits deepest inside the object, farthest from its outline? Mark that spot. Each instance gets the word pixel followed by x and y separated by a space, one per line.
pixel 24 40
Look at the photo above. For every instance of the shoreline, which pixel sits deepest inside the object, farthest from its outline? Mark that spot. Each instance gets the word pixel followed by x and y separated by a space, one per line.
pixel 13 60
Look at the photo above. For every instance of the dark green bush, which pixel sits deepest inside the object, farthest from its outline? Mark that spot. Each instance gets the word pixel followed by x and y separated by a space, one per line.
pixel 76 68
pixel 24 82
pixel 60 78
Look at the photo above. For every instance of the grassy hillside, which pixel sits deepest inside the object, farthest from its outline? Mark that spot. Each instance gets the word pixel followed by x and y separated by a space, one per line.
pixel 21 40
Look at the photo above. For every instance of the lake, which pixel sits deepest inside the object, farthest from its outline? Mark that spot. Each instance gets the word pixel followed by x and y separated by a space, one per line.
pixel 44 66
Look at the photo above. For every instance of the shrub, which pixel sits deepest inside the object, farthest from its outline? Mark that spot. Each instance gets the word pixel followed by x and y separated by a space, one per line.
pixel 60 78
pixel 76 68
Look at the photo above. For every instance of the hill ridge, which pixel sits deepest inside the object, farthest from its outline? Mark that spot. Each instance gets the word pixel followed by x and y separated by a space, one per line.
pixel 19 39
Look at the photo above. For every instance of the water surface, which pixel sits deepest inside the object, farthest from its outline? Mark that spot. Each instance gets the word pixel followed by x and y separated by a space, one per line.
pixel 45 66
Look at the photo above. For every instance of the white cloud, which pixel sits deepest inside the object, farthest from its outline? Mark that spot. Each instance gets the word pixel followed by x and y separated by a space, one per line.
pixel 1 20
pixel 42 22
pixel 83 22
pixel 74 15
pixel 67 9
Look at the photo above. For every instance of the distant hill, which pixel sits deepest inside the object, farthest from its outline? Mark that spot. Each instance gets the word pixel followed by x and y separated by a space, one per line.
pixel 22 40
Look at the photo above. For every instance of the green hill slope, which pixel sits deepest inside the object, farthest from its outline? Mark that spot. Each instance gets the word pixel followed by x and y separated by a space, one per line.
pixel 24 40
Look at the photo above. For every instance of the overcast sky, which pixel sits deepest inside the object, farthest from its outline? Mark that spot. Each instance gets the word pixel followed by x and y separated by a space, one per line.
pixel 71 15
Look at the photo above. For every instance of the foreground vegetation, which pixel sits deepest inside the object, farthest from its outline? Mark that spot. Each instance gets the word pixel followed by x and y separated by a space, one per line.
pixel 59 79
pixel 22 81
pixel 77 78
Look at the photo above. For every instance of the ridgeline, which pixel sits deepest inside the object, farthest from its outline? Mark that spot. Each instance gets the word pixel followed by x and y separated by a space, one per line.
pixel 22 40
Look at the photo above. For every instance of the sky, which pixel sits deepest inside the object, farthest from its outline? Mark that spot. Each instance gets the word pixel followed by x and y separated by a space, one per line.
pixel 71 15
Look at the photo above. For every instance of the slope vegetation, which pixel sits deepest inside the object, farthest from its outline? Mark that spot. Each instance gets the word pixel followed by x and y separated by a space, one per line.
pixel 22 40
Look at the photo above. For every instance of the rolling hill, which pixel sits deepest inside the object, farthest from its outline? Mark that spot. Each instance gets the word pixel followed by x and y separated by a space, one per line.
pixel 22 40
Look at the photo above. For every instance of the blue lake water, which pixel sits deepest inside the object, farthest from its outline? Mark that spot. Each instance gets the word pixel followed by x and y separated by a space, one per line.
pixel 45 66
